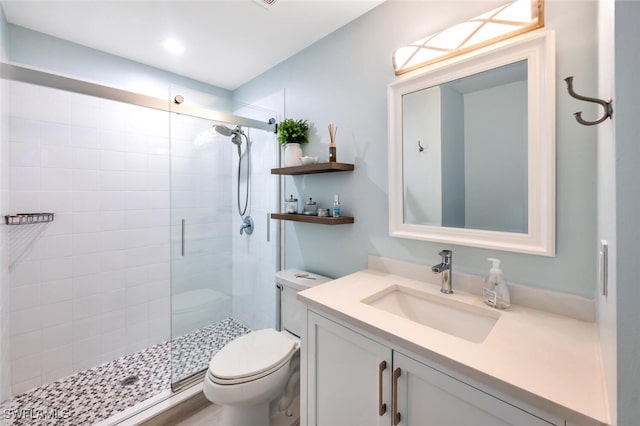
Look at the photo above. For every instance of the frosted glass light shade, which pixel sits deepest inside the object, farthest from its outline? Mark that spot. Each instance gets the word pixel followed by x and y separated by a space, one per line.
pixel 513 18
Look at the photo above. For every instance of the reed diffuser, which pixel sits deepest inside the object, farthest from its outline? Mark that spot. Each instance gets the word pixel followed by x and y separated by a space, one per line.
pixel 333 129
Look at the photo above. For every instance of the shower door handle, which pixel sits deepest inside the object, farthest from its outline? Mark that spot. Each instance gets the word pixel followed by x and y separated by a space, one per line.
pixel 182 239
pixel 268 227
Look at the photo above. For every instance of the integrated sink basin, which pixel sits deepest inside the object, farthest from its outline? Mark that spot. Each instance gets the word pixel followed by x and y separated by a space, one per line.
pixel 450 316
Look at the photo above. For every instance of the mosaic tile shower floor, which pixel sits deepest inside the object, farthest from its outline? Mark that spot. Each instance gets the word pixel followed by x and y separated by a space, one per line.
pixel 96 394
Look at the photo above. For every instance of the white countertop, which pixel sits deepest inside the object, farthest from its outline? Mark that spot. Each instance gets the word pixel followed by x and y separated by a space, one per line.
pixel 544 359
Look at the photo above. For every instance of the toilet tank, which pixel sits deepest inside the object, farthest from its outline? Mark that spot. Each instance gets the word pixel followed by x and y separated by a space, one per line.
pixel 291 309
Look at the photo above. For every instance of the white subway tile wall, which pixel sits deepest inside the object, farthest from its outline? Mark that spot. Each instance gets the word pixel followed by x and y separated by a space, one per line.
pixel 95 284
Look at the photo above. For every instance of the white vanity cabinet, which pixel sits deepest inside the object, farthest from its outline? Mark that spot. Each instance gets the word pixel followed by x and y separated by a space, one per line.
pixel 348 386
pixel 346 372
pixel 428 397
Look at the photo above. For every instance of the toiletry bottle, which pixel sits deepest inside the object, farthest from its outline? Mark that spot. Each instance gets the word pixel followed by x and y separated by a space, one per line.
pixel 332 152
pixel 310 207
pixel 336 206
pixel 291 205
pixel 496 292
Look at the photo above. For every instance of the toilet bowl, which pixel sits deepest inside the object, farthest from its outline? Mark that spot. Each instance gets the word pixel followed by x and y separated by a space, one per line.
pixel 248 373
pixel 258 372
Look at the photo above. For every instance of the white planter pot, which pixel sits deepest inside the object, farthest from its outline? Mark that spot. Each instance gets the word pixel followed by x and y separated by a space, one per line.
pixel 292 154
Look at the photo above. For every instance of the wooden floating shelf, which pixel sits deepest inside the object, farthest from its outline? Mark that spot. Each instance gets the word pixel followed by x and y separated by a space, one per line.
pixel 342 220
pixel 313 168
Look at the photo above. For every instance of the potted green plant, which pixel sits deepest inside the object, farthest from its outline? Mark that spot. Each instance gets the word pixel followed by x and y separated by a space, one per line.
pixel 292 133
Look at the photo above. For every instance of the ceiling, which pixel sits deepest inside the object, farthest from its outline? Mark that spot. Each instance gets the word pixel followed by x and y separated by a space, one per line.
pixel 226 42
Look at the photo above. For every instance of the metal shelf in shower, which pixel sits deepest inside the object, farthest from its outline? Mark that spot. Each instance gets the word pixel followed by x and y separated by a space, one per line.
pixel 28 218
pixel 21 239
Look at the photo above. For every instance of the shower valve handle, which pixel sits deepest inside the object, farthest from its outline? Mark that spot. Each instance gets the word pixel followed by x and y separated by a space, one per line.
pixel 247 226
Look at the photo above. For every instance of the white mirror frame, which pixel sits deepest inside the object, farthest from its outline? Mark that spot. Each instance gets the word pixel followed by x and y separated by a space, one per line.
pixel 538 48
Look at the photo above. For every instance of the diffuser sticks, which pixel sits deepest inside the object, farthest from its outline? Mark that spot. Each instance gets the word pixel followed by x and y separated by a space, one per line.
pixel 333 129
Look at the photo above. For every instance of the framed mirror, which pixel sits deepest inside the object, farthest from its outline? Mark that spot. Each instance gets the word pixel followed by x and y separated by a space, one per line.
pixel 472 149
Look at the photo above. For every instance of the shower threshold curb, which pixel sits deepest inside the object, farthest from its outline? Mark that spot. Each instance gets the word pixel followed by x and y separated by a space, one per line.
pixel 152 407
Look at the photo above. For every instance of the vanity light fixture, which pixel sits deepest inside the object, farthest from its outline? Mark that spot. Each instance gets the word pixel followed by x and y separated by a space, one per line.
pixel 516 17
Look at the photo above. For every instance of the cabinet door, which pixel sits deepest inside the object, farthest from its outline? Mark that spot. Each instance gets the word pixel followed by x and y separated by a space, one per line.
pixel 428 397
pixel 345 376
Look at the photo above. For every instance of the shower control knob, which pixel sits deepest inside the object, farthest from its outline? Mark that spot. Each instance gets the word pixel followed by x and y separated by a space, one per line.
pixel 247 226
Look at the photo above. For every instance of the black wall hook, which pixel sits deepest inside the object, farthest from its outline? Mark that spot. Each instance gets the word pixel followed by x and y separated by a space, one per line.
pixel 608 108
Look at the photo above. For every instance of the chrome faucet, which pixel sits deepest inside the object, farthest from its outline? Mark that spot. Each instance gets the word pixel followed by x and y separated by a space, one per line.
pixel 444 268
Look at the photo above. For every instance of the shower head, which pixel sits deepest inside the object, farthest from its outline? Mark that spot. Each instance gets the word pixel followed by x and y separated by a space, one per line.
pixel 237 139
pixel 236 134
pixel 224 130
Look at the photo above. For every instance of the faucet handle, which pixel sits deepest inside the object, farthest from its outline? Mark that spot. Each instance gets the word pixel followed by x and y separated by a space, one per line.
pixel 247 226
pixel 446 253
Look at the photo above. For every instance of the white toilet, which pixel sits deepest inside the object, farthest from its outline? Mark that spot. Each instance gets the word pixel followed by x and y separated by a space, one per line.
pixel 250 372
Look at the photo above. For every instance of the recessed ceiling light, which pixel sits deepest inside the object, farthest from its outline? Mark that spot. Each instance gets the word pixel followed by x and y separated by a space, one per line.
pixel 173 46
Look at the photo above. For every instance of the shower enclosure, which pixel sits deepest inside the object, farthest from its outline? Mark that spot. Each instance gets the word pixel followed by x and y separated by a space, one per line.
pixel 220 274
pixel 143 271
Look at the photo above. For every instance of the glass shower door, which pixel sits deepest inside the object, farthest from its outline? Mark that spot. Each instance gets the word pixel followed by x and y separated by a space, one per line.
pixel 201 266
pixel 222 283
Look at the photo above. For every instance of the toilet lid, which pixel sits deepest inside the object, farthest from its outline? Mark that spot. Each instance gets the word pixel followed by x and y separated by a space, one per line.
pixel 251 354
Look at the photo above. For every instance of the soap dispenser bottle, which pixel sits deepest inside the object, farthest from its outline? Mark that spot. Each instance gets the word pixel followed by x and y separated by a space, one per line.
pixel 496 292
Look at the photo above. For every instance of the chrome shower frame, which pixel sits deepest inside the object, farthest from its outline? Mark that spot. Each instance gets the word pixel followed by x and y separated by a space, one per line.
pixel 177 105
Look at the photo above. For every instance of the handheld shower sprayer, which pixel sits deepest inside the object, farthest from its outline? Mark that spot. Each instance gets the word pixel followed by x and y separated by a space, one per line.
pixel 236 134
pixel 236 137
pixel 223 130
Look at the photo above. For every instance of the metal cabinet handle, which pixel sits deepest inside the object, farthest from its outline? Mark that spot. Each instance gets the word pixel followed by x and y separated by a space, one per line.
pixel 396 415
pixel 382 407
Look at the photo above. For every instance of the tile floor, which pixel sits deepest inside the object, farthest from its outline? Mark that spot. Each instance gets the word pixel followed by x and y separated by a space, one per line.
pixel 96 394
pixel 196 411
pixel 192 352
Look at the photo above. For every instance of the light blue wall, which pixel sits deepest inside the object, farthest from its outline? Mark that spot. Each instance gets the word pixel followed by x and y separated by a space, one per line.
pixel 495 143
pixel 422 170
pixel 343 78
pixel 453 157
pixel 627 140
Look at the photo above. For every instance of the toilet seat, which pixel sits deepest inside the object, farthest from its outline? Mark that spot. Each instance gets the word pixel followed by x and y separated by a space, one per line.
pixel 251 356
